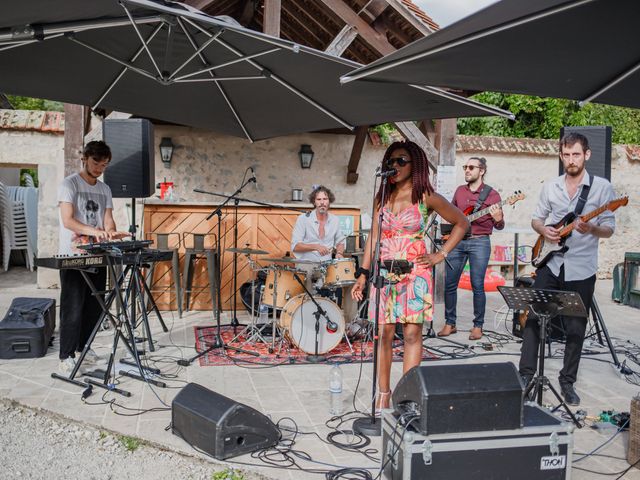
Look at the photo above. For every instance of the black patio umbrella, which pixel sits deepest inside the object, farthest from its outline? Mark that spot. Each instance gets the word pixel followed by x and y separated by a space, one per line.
pixel 586 50
pixel 168 61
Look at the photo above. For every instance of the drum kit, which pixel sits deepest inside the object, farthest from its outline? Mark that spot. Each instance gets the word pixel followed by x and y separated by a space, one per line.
pixel 289 284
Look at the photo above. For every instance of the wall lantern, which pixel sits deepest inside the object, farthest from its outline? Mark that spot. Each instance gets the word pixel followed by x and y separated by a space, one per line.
pixel 306 156
pixel 166 151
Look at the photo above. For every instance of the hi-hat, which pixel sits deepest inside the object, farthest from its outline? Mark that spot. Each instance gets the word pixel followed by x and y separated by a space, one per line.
pixel 292 260
pixel 247 251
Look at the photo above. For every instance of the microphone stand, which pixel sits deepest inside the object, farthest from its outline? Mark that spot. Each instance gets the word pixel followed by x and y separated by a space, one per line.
pixel 320 312
pixel 371 426
pixel 217 304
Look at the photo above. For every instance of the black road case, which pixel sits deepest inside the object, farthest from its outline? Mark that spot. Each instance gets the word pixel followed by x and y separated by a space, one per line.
pixel 541 450
pixel 27 328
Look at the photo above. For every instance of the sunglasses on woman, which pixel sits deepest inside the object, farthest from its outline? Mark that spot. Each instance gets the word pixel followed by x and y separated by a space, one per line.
pixel 401 161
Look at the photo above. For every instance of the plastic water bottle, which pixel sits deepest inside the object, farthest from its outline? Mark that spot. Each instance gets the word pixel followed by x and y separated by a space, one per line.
pixel 335 390
pixel 263 315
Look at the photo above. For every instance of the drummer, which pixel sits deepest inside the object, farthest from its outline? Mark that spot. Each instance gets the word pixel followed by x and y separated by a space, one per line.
pixel 316 236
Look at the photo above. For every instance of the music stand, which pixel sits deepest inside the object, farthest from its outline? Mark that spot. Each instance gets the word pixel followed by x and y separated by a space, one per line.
pixel 545 304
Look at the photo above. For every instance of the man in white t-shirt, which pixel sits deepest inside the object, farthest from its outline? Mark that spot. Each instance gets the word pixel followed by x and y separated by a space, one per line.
pixel 85 207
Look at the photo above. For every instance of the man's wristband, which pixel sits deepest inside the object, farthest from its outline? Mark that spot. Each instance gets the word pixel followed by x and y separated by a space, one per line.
pixel 363 271
pixel 444 253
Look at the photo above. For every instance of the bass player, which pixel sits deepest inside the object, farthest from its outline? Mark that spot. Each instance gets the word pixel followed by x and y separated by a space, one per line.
pixel 574 269
pixel 475 247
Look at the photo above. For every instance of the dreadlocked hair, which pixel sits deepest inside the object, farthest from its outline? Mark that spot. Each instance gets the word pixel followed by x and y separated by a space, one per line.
pixel 419 172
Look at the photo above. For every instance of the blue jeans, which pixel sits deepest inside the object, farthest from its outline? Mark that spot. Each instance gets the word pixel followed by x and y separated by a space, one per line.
pixel 477 251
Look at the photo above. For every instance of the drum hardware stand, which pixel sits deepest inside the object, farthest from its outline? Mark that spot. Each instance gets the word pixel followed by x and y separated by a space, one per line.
pixel 545 304
pixel 320 312
pixel 216 304
pixel 254 333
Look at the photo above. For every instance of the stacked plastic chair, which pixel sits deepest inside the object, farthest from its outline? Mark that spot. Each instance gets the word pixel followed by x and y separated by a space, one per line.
pixel 15 229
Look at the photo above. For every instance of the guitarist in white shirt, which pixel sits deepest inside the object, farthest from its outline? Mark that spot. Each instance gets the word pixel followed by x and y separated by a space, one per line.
pixel 575 269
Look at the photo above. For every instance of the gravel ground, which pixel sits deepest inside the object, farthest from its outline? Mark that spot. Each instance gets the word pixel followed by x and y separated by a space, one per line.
pixel 37 445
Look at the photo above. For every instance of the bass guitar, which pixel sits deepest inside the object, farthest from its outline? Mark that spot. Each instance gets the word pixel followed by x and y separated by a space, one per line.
pixel 543 250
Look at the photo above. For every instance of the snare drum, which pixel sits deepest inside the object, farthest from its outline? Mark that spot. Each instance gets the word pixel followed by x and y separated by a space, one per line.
pixel 285 285
pixel 299 322
pixel 340 272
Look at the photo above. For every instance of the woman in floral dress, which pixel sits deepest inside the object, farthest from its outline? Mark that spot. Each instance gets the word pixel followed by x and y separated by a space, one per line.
pixel 405 298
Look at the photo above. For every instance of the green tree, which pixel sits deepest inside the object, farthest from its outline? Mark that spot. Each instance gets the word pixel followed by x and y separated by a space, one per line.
pixel 28 103
pixel 538 117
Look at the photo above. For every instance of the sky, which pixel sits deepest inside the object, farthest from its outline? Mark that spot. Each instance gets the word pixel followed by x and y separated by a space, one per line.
pixel 445 12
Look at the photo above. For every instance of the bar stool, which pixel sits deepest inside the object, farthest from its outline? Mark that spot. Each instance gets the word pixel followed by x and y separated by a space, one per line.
pixel 198 252
pixel 167 242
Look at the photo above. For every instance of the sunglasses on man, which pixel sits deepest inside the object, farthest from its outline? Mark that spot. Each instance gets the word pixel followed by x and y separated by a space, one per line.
pixel 471 168
pixel 401 161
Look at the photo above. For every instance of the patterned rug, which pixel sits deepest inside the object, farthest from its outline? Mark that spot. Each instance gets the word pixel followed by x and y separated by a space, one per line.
pixel 285 353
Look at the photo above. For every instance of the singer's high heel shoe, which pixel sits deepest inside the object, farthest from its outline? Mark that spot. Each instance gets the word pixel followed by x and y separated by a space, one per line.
pixel 383 400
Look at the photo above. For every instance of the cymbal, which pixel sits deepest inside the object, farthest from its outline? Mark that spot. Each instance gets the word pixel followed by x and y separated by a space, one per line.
pixel 247 251
pixel 291 260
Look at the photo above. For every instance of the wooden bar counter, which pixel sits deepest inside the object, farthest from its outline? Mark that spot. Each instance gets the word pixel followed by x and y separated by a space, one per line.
pixel 259 227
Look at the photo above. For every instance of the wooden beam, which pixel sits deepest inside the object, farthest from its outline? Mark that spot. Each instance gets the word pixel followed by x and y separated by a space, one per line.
pixel 446 141
pixel 373 10
pixel 411 132
pixel 73 137
pixel 271 20
pixel 368 34
pixel 342 41
pixel 200 4
pixel 246 12
pixel 296 23
pixel 428 129
pixel 356 154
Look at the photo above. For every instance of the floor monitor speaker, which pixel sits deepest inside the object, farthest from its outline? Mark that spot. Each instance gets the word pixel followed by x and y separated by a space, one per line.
pixel 131 172
pixel 461 398
pixel 600 145
pixel 219 426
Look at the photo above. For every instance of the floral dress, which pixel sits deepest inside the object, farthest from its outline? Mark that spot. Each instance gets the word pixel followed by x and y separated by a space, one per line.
pixel 404 298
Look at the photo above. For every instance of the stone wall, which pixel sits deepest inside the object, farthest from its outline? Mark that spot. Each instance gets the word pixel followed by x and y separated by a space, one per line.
pixel 19 148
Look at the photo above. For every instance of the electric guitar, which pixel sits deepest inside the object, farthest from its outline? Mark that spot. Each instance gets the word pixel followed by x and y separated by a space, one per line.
pixel 471 216
pixel 445 228
pixel 544 250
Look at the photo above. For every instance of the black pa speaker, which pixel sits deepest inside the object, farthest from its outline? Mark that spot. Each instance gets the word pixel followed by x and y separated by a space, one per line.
pixel 131 172
pixel 599 137
pixel 219 426
pixel 461 398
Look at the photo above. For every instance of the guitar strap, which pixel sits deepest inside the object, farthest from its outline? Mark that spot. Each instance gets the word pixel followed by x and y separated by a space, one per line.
pixel 486 190
pixel 583 197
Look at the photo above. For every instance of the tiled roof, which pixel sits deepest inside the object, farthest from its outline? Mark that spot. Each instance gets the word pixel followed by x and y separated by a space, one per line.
pixel 423 17
pixel 51 122
pixel 530 146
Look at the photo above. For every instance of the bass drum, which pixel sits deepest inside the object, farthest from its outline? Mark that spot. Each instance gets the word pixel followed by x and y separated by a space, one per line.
pixel 299 322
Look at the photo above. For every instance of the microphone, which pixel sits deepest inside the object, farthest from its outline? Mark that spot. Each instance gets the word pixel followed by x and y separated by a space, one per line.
pixel 387 173
pixel 332 327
